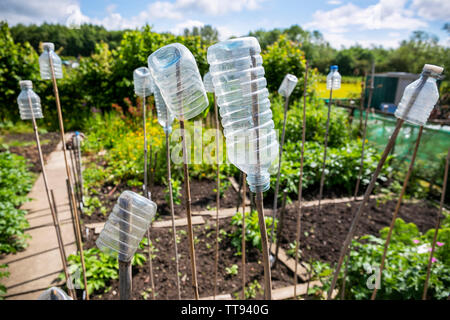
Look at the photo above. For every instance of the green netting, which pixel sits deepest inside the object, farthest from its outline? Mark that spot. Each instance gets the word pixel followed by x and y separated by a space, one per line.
pixel 433 146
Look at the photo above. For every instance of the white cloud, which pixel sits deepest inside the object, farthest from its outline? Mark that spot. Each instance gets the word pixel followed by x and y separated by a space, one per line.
pixel 334 2
pixel 338 40
pixel 189 24
pixel 386 14
pixel 176 10
pixel 432 9
pixel 27 12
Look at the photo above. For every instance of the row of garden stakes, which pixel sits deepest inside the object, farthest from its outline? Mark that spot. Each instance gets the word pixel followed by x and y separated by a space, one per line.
pixel 371 186
pixel 51 201
pixel 72 201
pixel 361 164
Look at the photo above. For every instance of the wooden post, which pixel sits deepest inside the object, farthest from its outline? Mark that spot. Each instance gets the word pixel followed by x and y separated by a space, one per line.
pixel 397 208
pixel 259 195
pixel 243 244
pixel 62 251
pixel 322 176
pixel 172 211
pixel 146 194
pixel 280 229
pixel 300 182
pixel 71 191
pixel 277 185
pixel 125 276
pixel 369 189
pixel 188 192
pixel 369 102
pixel 436 228
pixel 216 260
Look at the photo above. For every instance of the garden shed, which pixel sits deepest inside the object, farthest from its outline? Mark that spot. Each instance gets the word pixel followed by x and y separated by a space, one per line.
pixel 388 89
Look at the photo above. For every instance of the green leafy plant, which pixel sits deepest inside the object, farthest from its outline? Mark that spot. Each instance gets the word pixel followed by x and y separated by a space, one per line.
pixel 405 267
pixel 252 235
pixel 3 274
pixel 15 183
pixel 233 270
pixel 291 250
pixel 176 192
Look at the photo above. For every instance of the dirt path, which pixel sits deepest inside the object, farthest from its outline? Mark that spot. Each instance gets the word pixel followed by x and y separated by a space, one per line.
pixel 38 266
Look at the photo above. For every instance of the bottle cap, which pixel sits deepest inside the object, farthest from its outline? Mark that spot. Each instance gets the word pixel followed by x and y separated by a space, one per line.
pixel 433 68
pixel 334 67
pixel 48 46
pixel 25 84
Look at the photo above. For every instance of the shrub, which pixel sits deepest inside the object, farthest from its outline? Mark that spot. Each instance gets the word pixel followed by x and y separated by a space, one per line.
pixel 252 235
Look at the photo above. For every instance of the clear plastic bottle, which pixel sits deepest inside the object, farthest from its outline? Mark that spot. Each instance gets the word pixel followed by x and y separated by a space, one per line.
pixel 165 117
pixel 175 72
pixel 44 63
pixel 54 293
pixel 207 81
pixel 426 98
pixel 240 88
pixel 288 85
pixel 23 100
pixel 126 225
pixel 334 79
pixel 142 80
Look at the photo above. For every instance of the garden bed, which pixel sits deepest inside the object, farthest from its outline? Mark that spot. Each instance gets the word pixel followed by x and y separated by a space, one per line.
pixel 321 239
pixel 24 144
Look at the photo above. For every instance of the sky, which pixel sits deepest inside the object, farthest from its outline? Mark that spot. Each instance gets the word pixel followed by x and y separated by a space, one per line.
pixel 343 23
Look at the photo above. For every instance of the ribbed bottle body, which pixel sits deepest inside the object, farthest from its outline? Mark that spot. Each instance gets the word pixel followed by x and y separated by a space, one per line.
pixel 165 117
pixel 126 225
pixel 175 72
pixel 142 82
pixel 44 65
pixel 287 85
pixel 334 80
pixel 423 105
pixel 242 96
pixel 23 100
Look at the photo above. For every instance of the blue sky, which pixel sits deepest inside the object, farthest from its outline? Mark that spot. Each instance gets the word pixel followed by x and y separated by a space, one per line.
pixel 343 23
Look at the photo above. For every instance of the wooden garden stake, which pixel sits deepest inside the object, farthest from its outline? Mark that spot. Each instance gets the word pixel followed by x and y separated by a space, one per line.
pixel 69 178
pixel 369 189
pixel 361 103
pixel 188 192
pixel 62 251
pixel 436 228
pixel 280 229
pixel 259 195
pixel 216 260
pixel 300 182
pixel 244 192
pixel 397 208
pixel 369 101
pixel 146 194
pixel 172 211
pixel 277 185
pixel 322 176
pixel 125 276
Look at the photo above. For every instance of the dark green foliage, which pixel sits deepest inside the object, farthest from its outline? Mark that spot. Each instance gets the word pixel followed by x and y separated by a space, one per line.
pixel 15 183
pixel 405 268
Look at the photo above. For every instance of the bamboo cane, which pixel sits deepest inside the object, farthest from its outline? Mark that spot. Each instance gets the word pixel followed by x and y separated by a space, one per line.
pixel 62 251
pixel 188 193
pixel 369 101
pixel 216 260
pixel 436 229
pixel 397 208
pixel 280 229
pixel 369 189
pixel 277 185
pixel 146 194
pixel 361 102
pixel 71 191
pixel 322 176
pixel 244 192
pixel 125 275
pixel 172 211
pixel 259 195
pixel 300 182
